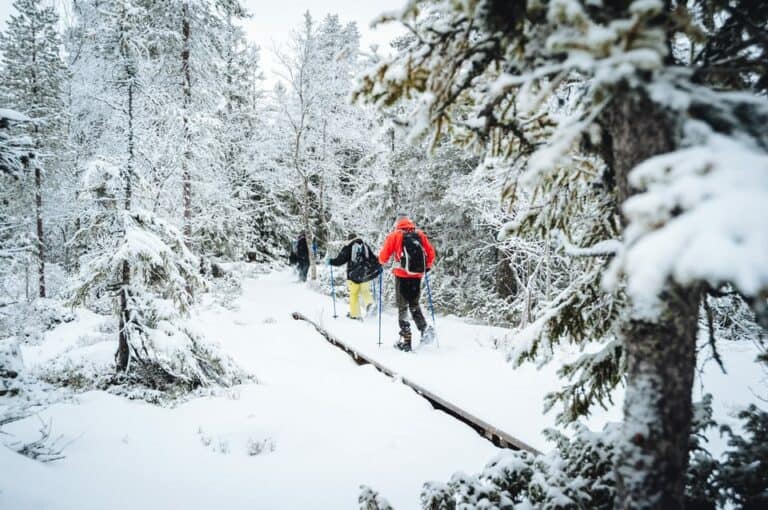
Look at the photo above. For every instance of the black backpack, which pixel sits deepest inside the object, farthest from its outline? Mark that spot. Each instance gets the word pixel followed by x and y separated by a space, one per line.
pixel 364 265
pixel 413 259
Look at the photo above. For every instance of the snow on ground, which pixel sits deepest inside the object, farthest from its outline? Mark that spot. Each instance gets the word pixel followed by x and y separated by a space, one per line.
pixel 314 427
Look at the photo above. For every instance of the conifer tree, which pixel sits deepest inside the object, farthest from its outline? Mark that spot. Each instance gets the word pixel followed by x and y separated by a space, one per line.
pixel 590 108
pixel 134 253
pixel 31 81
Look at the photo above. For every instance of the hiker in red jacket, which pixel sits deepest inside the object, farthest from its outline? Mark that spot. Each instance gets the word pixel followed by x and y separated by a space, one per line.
pixel 414 256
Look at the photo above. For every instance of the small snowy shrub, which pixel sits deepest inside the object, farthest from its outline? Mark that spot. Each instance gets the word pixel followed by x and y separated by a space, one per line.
pixel 579 473
pixel 369 499
pixel 260 446
pixel 205 439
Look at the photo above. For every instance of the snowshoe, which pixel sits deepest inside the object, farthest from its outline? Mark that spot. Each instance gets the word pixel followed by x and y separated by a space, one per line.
pixel 428 336
pixel 354 318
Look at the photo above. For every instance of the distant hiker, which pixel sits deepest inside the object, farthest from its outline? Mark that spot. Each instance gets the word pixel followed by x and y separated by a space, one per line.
pixel 362 267
pixel 300 256
pixel 415 255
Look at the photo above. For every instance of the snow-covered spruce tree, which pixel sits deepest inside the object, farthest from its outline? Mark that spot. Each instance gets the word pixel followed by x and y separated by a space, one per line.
pixel 369 499
pixel 14 148
pixel 204 39
pixel 683 166
pixel 247 224
pixel 740 476
pixel 133 253
pixel 15 152
pixel 31 81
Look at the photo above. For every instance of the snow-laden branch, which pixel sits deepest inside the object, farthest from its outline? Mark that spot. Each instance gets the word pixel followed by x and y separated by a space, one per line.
pixel 701 218
pixel 606 248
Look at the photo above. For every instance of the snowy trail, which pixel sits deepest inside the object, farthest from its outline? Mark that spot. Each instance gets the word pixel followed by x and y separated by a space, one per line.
pixel 465 369
pixel 334 425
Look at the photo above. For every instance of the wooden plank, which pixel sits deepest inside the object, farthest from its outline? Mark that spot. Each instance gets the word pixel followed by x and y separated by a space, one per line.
pixel 497 436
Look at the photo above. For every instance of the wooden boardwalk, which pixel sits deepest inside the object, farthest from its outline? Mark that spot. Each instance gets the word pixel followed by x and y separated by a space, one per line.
pixel 497 436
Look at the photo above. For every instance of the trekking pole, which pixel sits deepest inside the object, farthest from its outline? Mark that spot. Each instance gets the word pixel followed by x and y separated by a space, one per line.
pixel 431 306
pixel 381 280
pixel 333 290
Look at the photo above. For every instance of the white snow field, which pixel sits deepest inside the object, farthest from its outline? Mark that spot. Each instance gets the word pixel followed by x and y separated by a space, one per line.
pixel 306 435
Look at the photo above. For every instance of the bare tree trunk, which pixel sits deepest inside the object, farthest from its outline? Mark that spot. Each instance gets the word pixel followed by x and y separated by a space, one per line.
pixel 305 204
pixel 506 283
pixel 393 188
pixel 123 349
pixel 308 231
pixel 661 353
pixel 40 233
pixel 38 180
pixel 186 178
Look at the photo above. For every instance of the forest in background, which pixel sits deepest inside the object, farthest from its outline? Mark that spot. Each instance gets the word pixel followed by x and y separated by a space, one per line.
pixel 588 175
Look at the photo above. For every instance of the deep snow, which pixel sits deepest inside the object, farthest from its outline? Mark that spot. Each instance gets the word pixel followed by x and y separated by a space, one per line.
pixel 333 425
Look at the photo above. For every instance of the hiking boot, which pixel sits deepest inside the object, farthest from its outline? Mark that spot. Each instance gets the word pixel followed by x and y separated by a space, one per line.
pixel 404 344
pixel 428 335
pixel 354 318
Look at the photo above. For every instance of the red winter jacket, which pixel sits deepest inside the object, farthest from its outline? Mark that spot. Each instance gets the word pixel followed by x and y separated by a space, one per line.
pixel 393 245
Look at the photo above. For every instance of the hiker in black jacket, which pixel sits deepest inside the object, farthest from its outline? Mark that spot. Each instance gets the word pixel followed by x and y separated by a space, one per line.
pixel 362 267
pixel 300 256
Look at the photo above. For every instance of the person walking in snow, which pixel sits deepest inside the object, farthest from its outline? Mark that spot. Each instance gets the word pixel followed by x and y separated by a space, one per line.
pixel 362 267
pixel 413 256
pixel 300 256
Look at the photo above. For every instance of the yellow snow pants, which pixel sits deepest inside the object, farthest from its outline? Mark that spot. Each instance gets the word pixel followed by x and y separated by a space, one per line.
pixel 355 291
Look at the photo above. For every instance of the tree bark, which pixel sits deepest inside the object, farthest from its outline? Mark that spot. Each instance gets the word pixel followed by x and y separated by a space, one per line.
pixel 124 321
pixel 661 360
pixel 661 353
pixel 186 177
pixel 40 233
pixel 308 231
pixel 35 89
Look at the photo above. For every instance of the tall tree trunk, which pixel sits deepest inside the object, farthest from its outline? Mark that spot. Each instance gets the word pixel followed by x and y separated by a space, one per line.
pixel 186 178
pixel 124 322
pixel 305 209
pixel 40 233
pixel 394 190
pixel 35 89
pixel 661 353
pixel 308 230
